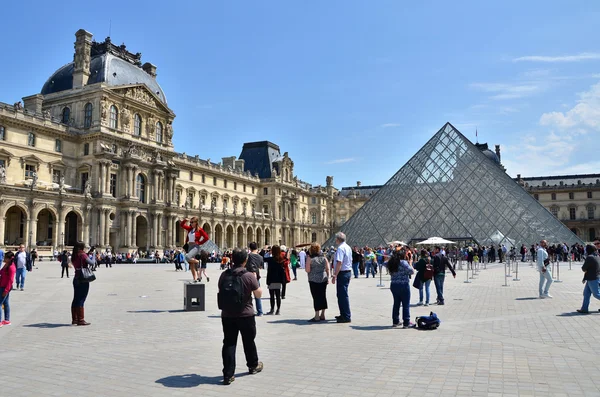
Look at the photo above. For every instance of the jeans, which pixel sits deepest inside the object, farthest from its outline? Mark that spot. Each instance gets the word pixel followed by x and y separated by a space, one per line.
pixel 592 287
pixel 370 268
pixel 342 282
pixel 547 277
pixel 21 277
pixel 425 285
pixel 4 301
pixel 64 269
pixel 401 293
pixel 231 327
pixel 80 292
pixel 438 279
pixel 522 257
pixel 355 268
pixel 258 303
pixel 294 271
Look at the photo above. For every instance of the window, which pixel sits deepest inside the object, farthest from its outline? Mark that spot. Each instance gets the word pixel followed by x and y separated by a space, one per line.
pixel 214 181
pixel 554 211
pixel 29 171
pixel 114 117
pixel 244 188
pixel 159 132
pixel 114 148
pixel 203 178
pixel 342 205
pixel 87 118
pixel 592 233
pixel 31 139
pixel 571 196
pixel 553 196
pixel 589 194
pixel 225 204
pixel 572 213
pixel 86 149
pixel 66 115
pixel 252 189
pixel 191 198
pixel 234 185
pixel 2 133
pixel 591 211
pixel 266 191
pixel 113 185
pixel 84 179
pixel 191 175
pixel 56 176
pixel 177 197
pixel 279 192
pixel 137 125
pixel 58 146
pixel 314 219
pixel 536 196
pixel 225 183
pixel 314 237
pixel 265 209
pixel 342 220
pixel 140 188
pixel 314 200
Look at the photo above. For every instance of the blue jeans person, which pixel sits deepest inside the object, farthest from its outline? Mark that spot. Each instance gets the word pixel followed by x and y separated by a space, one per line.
pixel 424 284
pixel 401 293
pixel 355 266
pixel 4 301
pixel 370 268
pixel 342 283
pixel 258 302
pixel 547 278
pixel 21 277
pixel 592 287
pixel 438 279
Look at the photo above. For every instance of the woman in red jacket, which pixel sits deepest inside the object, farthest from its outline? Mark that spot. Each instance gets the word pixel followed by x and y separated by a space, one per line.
pixel 7 278
pixel 196 236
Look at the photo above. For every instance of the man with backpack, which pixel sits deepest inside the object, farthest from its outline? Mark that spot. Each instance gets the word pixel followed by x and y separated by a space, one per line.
pixel 440 263
pixel 236 287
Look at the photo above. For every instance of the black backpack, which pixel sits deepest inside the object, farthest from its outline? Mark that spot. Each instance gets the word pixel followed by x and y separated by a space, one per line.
pixel 230 297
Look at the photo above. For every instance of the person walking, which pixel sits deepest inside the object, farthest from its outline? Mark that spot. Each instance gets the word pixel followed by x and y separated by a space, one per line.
pixel 591 278
pixel 7 278
pixel 81 288
pixel 400 272
pixel 275 277
pixel 286 268
pixel 255 261
pixel 195 237
pixel 370 262
pixel 23 261
pixel 543 261
pixel 302 257
pixel 440 263
pixel 203 265
pixel 424 275
pixel 342 275
pixel 294 262
pixel 64 264
pixel 317 267
pixel 236 287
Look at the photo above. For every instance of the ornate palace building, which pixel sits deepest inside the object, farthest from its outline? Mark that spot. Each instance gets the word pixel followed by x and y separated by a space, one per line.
pixel 91 158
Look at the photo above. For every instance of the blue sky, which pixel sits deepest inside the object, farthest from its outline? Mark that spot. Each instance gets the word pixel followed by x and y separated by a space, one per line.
pixel 349 88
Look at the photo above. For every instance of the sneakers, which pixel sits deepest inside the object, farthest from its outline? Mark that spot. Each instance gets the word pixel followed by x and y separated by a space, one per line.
pixel 396 325
pixel 542 297
pixel 548 296
pixel 228 381
pixel 420 304
pixel 22 289
pixel 343 320
pixel 257 369
pixel 5 322
pixel 583 311
pixel 409 325
pixel 427 304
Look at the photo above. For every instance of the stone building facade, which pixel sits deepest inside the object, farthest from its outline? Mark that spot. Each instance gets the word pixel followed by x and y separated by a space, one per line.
pixel 90 158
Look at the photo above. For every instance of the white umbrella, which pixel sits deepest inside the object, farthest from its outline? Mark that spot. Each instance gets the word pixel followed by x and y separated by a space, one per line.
pixel 436 241
pixel 397 243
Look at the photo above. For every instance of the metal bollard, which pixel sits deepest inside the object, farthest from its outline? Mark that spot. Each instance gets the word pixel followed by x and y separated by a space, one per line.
pixel 516 272
pixel 381 284
pixel 467 280
pixel 505 276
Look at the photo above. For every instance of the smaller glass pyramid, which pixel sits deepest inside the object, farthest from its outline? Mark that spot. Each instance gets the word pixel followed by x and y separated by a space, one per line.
pixel 452 190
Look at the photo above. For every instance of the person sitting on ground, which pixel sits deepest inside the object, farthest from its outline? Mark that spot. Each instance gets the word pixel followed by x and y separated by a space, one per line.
pixel 591 267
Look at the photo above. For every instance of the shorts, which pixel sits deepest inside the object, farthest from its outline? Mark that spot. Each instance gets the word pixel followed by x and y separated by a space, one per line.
pixel 203 266
pixel 195 250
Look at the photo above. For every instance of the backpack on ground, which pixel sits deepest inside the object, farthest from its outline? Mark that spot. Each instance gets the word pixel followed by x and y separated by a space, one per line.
pixel 230 297
pixel 428 273
pixel 428 322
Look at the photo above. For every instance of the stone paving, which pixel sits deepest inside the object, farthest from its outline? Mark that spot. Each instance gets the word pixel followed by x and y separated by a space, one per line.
pixel 494 340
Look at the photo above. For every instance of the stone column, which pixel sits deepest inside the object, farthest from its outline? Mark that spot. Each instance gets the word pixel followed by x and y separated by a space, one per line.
pixel 107 231
pixel 170 236
pixel 107 183
pixel 129 231
pixel 122 229
pixel 100 238
pixel 26 232
pixel 133 178
pixel 126 177
pixel 134 228
pixel 2 226
pixel 101 179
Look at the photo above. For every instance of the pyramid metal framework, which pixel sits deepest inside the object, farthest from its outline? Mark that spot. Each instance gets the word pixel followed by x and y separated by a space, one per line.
pixel 450 189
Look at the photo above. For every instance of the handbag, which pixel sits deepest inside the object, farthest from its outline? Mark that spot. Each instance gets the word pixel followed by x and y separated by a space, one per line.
pixel 87 275
pixel 418 283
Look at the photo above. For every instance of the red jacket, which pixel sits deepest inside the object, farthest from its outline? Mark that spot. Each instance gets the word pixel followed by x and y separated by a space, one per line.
pixel 201 236
pixel 7 277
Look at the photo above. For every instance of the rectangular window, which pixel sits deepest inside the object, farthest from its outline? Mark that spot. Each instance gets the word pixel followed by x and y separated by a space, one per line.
pixel 203 178
pixel 2 133
pixel 214 181
pixel 29 171
pixel 571 196
pixel 536 196
pixel 589 194
pixel 86 149
pixel 58 146
pixel 266 191
pixel 225 204
pixel 31 139
pixel 3 164
pixel 342 220
pixel 279 192
pixel 225 183
pixel 234 185
pixel 554 211
pixel 244 188
pixel 265 209
pixel 252 189
pixel 314 200
pixel 342 205
pixel 56 176
pixel 314 219
pixel 84 179
pixel 553 196
pixel 191 175
pixel 572 213
pixel 590 212
pixel 113 185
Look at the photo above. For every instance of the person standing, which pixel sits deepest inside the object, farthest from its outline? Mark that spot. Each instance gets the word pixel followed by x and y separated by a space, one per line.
pixel 255 261
pixel 81 288
pixel 23 261
pixel 302 257
pixel 543 261
pixel 294 262
pixel 425 277
pixel 317 268
pixel 203 265
pixel 275 277
pixel 370 262
pixel 356 258
pixel 196 236
pixel 64 264
pixel 7 278
pixel 591 267
pixel 286 267
pixel 440 263
pixel 342 275
pixel 236 287
pixel 400 288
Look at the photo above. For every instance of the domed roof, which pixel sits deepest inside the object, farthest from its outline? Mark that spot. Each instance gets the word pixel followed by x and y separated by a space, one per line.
pixel 104 68
pixel 491 155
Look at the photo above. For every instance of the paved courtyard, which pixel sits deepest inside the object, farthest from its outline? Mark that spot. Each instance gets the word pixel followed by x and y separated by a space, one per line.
pixel 494 340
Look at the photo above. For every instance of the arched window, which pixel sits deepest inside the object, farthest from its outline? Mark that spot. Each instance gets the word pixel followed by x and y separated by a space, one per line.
pixel 140 188
pixel 114 116
pixel 87 120
pixel 159 132
pixel 66 114
pixel 137 125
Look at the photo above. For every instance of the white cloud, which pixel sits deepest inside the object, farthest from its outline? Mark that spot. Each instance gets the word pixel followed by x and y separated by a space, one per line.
pixel 341 161
pixel 503 91
pixel 584 116
pixel 584 56
pixel 390 125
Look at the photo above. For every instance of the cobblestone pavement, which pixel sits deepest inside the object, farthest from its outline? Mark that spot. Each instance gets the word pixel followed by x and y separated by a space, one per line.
pixel 494 340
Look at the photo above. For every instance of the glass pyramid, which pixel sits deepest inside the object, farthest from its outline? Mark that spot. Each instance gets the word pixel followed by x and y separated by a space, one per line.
pixel 451 189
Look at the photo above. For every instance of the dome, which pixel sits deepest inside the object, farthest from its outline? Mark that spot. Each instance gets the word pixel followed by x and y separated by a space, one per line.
pixel 104 68
pixel 491 155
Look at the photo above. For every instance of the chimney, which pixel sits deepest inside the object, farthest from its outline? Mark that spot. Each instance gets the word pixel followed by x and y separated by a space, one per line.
pixel 33 103
pixel 83 47
pixel 498 153
pixel 358 184
pixel 518 177
pixel 150 69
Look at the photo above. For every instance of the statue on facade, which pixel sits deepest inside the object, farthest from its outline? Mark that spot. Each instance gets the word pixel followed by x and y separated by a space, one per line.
pixel 34 180
pixel 61 184
pixel 125 117
pixel 103 109
pixel 213 204
pixel 188 202
pixel 150 127
pixel 234 208
pixel 18 106
pixel 2 174
pixel 87 189
pixel 169 132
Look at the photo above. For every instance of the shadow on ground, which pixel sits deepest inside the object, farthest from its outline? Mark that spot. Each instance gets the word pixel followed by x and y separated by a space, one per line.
pixel 575 314
pixel 192 380
pixel 46 325
pixel 371 327
pixel 156 311
pixel 299 322
pixel 532 298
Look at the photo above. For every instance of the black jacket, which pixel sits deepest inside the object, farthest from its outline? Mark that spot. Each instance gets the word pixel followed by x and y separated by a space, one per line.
pixel 275 271
pixel 591 267
pixel 254 263
pixel 440 263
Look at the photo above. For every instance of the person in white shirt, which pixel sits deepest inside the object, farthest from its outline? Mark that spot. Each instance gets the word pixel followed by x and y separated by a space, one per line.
pixel 545 271
pixel 23 261
pixel 302 256
pixel 342 274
